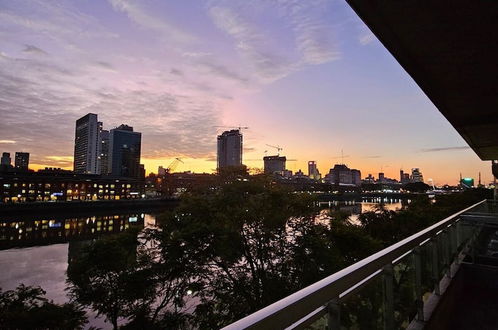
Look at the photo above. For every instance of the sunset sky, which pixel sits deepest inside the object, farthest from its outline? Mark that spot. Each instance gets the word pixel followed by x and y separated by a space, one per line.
pixel 305 75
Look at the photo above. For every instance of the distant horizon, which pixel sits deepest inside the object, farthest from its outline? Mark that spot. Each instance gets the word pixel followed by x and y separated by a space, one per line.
pixel 307 76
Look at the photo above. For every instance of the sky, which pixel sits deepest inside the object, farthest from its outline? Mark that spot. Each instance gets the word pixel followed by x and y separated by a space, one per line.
pixel 307 76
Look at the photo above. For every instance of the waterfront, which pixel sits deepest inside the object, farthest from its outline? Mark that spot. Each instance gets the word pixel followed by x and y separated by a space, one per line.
pixel 37 251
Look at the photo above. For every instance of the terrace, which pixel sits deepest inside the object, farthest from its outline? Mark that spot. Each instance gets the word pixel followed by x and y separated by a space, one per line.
pixel 423 280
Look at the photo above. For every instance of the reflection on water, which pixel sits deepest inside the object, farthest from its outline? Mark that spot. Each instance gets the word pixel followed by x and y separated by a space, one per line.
pixel 354 208
pixel 37 252
pixel 21 233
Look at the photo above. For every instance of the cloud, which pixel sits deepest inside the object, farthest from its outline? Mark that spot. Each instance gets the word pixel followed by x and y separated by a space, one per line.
pixel 374 156
pixel 34 50
pixel 445 149
pixel 7 142
pixel 141 17
pixel 176 72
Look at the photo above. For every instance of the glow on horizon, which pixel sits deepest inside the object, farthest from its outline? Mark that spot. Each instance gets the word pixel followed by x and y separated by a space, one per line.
pixel 306 75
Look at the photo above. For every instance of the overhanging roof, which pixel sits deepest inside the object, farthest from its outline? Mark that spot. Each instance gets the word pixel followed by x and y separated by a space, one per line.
pixel 450 48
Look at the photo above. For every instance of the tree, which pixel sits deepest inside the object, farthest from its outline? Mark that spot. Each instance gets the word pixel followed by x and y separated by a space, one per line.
pixel 123 278
pixel 27 308
pixel 246 245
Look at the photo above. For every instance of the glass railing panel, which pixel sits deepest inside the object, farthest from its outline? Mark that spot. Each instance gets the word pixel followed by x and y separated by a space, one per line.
pixel 404 291
pixel 426 271
pixel 364 309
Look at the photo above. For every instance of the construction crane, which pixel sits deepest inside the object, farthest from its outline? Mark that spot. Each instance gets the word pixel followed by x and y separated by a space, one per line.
pixel 174 164
pixel 276 147
pixel 233 127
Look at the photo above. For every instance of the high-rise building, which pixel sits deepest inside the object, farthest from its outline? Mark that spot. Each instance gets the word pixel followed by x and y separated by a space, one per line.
pixel 87 145
pixel 381 177
pixel 6 161
pixel 104 152
pixel 401 173
pixel 124 152
pixel 417 175
pixel 161 171
pixel 22 161
pixel 230 149
pixel 406 178
pixel 313 172
pixel 274 164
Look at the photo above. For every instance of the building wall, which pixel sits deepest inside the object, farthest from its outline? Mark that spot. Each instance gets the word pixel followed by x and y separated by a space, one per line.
pixel 124 152
pixel 229 149
pixel 86 145
pixel 274 164
pixel 30 187
pixel 22 161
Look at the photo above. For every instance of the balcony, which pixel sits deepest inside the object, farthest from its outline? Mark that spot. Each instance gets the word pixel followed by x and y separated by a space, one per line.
pixel 419 282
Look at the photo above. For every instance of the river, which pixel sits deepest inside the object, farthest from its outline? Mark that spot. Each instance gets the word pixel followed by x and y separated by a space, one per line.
pixel 36 250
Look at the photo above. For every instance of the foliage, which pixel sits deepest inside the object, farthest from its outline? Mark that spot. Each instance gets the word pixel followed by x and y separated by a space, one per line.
pixel 27 308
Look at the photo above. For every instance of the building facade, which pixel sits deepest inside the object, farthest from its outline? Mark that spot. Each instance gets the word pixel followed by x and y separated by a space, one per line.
pixel 274 164
pixel 416 175
pixel 313 172
pixel 87 145
pixel 124 152
pixel 60 185
pixel 104 152
pixel 340 174
pixel 22 161
pixel 229 149
pixel 6 160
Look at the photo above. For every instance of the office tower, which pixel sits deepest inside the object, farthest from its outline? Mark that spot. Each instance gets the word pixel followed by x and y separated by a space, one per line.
pixel 274 164
pixel 161 171
pixel 124 152
pixel 401 175
pixel 22 160
pixel 313 172
pixel 406 178
pixel 87 145
pixel 417 175
pixel 6 161
pixel 230 149
pixel 104 152
pixel 340 174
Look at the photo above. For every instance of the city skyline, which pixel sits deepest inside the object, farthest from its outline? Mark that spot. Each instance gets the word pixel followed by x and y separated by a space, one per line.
pixel 324 85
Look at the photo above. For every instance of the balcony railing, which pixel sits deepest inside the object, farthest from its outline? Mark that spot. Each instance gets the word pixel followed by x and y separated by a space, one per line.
pixel 395 288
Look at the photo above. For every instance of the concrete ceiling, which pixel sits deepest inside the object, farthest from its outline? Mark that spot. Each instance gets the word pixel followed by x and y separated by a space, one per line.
pixel 450 49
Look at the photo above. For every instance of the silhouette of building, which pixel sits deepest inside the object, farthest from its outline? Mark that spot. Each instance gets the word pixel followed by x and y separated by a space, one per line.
pixel 381 177
pixel 124 152
pixel 340 174
pixel 274 164
pixel 22 161
pixel 230 149
pixel 416 175
pixel 313 172
pixel 87 145
pixel 6 161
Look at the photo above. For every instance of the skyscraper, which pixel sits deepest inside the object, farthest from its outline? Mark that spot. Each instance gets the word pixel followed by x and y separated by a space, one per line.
pixel 22 160
pixel 6 161
pixel 124 152
pixel 104 152
pixel 87 145
pixel 230 149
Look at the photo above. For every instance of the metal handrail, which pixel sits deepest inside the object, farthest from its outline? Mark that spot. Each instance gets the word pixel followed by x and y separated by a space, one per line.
pixel 298 305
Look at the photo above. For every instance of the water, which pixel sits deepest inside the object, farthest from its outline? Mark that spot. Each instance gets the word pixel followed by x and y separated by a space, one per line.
pixel 35 251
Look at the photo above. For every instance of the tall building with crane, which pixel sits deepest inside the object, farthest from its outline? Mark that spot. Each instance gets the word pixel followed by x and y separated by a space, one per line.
pixel 229 149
